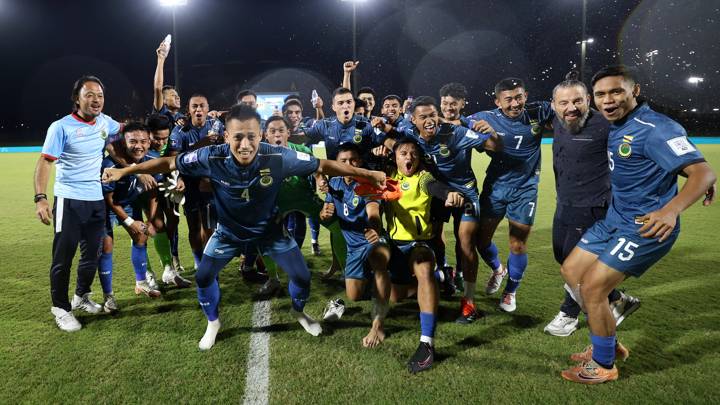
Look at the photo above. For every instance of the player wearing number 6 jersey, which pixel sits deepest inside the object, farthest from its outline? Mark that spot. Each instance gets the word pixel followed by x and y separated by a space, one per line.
pixel 646 152
pixel 511 183
pixel 246 178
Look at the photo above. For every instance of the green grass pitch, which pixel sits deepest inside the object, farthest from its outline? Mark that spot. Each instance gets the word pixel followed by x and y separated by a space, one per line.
pixel 148 351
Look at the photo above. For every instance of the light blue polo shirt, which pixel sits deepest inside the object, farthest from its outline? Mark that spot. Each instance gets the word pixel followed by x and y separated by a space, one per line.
pixel 78 147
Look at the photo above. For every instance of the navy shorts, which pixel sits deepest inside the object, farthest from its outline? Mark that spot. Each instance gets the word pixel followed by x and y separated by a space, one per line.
pixel 356 264
pixel 623 249
pixel 517 204
pixel 134 211
pixel 223 244
pixel 401 271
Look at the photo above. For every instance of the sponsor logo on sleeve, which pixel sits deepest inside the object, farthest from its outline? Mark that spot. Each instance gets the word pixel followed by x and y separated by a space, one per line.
pixel 303 156
pixel 471 134
pixel 190 158
pixel 680 145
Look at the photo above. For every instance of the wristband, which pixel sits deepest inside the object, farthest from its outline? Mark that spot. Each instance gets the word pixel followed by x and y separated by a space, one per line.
pixel 128 221
pixel 40 196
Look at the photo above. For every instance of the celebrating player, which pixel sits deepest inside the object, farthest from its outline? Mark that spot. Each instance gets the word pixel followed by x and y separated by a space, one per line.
pixel 646 150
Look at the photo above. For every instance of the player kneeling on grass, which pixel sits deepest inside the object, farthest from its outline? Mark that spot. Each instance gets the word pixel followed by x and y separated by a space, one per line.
pixel 367 252
pixel 411 237
pixel 646 151
pixel 126 200
pixel 246 177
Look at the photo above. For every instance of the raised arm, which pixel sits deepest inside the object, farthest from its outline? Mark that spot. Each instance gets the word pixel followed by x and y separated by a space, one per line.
pixel 158 82
pixel 152 166
pixel 332 168
pixel 348 68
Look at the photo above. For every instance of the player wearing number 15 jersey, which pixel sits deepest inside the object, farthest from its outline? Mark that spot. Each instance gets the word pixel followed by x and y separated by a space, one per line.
pixel 646 152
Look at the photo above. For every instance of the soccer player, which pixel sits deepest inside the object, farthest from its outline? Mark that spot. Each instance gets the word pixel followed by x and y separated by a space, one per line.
pixel 199 208
pixel 392 112
pixel 448 150
pixel 76 142
pixel 646 151
pixel 166 100
pixel 453 98
pixel 368 252
pixel 582 185
pixel 249 98
pixel 126 200
pixel 411 235
pixel 246 177
pixel 511 183
pixel 367 94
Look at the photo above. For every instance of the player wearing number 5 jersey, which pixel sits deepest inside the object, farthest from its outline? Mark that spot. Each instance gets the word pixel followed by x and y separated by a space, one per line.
pixel 511 183
pixel 646 152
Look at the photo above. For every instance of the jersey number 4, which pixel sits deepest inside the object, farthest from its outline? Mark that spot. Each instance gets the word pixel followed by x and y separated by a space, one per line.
pixel 246 194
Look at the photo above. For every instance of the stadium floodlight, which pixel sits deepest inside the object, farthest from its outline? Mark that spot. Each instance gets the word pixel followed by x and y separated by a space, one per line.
pixel 173 3
pixel 354 34
pixel 695 80
pixel 694 110
pixel 716 109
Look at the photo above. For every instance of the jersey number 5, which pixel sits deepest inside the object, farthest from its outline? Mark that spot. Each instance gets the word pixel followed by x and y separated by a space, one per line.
pixel 611 162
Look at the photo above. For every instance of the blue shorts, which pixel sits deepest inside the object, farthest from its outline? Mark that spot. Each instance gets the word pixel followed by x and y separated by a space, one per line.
pixel 623 249
pixel 223 244
pixel 517 204
pixel 401 271
pixel 356 264
pixel 134 211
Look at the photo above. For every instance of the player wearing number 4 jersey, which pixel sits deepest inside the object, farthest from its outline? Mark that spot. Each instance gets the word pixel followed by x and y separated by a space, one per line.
pixel 246 179
pixel 511 183
pixel 646 152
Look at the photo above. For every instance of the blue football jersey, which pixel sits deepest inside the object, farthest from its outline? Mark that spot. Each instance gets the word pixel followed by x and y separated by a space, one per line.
pixel 246 196
pixel 448 155
pixel 182 139
pixel 78 148
pixel 350 211
pixel 128 189
pixel 518 164
pixel 173 117
pixel 646 151
pixel 358 131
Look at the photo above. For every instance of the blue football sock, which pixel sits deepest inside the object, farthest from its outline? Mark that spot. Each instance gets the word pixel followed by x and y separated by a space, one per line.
pixel 516 269
pixel 603 350
pixel 427 324
pixel 105 272
pixel 138 257
pixel 490 256
pixel 314 229
pixel 209 298
pixel 293 263
pixel 197 255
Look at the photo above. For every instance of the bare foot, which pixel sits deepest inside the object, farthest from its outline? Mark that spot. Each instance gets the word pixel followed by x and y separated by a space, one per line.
pixel 374 338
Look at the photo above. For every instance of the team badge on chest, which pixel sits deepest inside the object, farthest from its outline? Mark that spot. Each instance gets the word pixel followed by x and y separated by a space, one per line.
pixel 625 150
pixel 357 138
pixel 266 179
pixel 444 151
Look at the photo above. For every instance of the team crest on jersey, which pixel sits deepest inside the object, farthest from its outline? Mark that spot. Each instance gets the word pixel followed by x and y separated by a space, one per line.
pixel 103 134
pixel 266 179
pixel 358 136
pixel 444 151
pixel 405 186
pixel 625 150
pixel 355 201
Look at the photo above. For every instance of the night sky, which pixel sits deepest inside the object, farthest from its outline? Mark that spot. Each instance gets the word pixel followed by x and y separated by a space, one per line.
pixel 404 47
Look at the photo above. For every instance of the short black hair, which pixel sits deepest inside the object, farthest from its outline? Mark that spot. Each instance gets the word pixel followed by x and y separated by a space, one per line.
pixel 291 97
pixel 290 102
pixel 168 87
pixel 77 86
pixel 243 93
pixel 133 126
pixel 366 89
pixel 508 83
pixel 242 112
pixel 349 147
pixel 391 97
pixel 158 122
pixel 422 101
pixel 340 91
pixel 454 90
pixel 360 103
pixel 405 140
pixel 274 118
pixel 198 95
pixel 628 73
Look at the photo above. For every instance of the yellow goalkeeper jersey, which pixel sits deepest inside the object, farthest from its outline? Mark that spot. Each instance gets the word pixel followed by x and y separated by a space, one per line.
pixel 408 219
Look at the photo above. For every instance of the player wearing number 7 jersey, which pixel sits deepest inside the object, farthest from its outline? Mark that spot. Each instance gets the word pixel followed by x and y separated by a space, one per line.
pixel 646 152
pixel 511 183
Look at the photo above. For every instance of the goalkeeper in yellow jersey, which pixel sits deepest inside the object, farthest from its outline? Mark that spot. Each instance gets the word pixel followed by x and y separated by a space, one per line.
pixel 411 238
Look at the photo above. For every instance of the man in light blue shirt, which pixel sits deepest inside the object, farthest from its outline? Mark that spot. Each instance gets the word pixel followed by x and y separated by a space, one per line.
pixel 76 142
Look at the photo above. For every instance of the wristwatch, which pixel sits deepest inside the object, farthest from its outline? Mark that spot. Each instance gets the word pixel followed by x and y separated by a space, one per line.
pixel 40 196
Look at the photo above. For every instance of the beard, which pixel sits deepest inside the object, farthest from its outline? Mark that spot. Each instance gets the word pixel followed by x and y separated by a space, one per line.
pixel 576 126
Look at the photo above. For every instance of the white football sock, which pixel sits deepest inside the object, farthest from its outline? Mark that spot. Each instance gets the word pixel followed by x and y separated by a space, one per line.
pixel 310 325
pixel 208 339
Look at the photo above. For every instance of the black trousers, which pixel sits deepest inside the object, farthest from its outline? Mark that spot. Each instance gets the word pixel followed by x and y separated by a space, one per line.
pixel 569 224
pixel 76 222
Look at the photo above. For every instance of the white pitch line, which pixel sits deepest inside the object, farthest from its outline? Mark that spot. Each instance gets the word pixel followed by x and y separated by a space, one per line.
pixel 257 379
